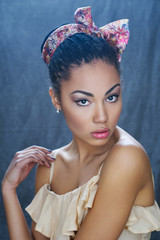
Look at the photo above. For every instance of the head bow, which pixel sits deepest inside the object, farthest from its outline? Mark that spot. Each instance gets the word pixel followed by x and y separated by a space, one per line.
pixel 115 33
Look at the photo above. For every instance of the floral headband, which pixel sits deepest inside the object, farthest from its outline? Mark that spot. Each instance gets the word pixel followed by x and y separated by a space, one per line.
pixel 115 33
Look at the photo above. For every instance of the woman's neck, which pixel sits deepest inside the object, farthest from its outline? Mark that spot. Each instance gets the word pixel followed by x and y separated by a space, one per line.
pixel 85 152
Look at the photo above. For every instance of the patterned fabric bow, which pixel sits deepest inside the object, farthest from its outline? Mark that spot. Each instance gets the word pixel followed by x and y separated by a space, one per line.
pixel 116 33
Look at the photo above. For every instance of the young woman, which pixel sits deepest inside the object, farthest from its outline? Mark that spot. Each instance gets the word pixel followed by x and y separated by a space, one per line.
pixel 100 185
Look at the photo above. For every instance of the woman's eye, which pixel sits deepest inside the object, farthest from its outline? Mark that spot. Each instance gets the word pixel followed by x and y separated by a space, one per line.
pixel 82 102
pixel 112 98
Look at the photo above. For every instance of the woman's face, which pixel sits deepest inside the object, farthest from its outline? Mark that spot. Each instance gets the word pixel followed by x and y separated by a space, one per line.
pixel 91 102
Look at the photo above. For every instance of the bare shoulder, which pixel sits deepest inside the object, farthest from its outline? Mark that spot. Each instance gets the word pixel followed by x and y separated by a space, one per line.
pixel 42 176
pixel 43 172
pixel 129 156
pixel 129 160
pixel 129 151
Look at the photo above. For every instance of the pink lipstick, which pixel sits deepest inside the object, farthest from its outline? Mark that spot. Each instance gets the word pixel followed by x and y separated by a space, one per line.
pixel 101 133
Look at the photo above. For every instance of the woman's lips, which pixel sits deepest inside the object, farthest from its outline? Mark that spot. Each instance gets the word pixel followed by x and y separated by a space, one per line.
pixel 101 133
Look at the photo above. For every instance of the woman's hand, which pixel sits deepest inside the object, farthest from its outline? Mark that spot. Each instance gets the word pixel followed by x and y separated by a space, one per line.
pixel 22 164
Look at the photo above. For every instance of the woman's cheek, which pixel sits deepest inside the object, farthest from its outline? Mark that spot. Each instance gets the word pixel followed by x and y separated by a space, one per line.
pixel 76 120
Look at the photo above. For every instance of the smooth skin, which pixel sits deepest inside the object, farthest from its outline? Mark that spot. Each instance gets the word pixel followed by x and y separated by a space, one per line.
pixel 125 179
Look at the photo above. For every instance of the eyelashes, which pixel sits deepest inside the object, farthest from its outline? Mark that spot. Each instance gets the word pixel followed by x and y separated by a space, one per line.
pixel 112 98
pixel 82 102
pixel 85 102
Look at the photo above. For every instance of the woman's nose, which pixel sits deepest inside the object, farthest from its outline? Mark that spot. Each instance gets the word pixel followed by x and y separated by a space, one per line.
pixel 100 114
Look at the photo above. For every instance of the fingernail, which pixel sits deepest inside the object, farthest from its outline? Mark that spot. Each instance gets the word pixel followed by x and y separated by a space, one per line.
pixel 49 150
pixel 49 154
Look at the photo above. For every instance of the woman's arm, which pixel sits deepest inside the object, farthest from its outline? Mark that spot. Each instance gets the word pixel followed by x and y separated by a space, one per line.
pixel 16 222
pixel 124 175
pixel 42 177
pixel 17 171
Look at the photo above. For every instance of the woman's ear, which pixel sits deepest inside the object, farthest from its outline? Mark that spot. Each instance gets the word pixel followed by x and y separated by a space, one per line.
pixel 54 99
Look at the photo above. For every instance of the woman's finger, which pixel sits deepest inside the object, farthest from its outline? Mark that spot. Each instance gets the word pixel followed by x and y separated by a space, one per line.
pixel 45 150
pixel 38 153
pixel 27 158
pixel 33 150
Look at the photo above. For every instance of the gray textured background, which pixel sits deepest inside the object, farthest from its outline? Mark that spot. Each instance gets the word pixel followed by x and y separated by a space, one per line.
pixel 26 113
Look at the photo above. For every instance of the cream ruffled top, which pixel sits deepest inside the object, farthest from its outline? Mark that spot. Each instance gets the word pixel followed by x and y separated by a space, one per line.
pixel 58 217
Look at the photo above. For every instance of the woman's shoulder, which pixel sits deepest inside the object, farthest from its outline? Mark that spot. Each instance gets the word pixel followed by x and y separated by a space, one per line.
pixel 61 153
pixel 128 155
pixel 43 173
pixel 125 139
pixel 128 145
pixel 128 165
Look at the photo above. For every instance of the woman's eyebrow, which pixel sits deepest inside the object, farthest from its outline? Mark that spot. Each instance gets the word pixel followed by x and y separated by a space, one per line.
pixel 91 95
pixel 112 88
pixel 83 92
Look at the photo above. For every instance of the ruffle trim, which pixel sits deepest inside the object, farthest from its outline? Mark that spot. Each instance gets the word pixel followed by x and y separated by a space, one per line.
pixel 47 209
pixel 144 219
